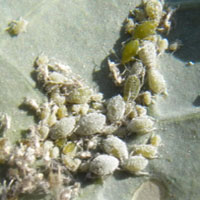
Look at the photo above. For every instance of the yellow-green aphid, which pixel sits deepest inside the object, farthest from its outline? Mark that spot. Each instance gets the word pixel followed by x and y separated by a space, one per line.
pixel 154 9
pixel 70 149
pixel 155 140
pixel 131 87
pixel 15 27
pixel 156 82
pixel 145 29
pixel 129 51
pixel 146 150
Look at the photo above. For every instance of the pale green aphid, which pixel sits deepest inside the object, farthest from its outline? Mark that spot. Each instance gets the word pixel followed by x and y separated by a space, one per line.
pixel 135 164
pixel 154 9
pixel 129 51
pixel 145 29
pixel 132 88
pixel 141 125
pixel 116 147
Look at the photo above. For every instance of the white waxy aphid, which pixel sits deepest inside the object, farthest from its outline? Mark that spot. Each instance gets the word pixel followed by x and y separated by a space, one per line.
pixel 131 111
pixel 115 73
pixel 162 45
pixel 57 78
pixel 141 125
pixel 148 54
pixel 174 46
pixel 5 122
pixel 116 147
pixel 5 150
pixel 32 103
pixel 63 128
pixel 103 165
pixel 115 108
pixel 129 26
pixel 146 150
pixel 137 68
pixel 155 140
pixel 15 27
pixel 135 165
pixel 154 9
pixel 97 97
pixel 41 60
pixel 52 119
pixel 156 82
pixel 91 123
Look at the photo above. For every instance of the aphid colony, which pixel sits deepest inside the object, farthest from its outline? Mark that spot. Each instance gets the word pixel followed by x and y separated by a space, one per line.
pixel 138 70
pixel 77 133
pixel 80 132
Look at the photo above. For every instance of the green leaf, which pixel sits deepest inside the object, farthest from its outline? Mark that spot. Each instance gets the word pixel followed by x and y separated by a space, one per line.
pixel 80 34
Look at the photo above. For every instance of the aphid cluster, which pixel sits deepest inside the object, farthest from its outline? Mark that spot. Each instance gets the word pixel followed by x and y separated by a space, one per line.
pixel 78 131
pixel 141 51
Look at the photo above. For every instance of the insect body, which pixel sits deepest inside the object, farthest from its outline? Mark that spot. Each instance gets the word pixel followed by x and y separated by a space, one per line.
pixel 103 165
pixel 116 147
pixel 132 88
pixel 141 125
pixel 135 165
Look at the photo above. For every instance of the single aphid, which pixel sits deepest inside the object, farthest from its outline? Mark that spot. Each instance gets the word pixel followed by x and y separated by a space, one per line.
pixel 141 125
pixel 166 20
pixel 137 68
pixel 162 45
pixel 55 153
pixel 190 63
pixel 148 54
pixel 91 123
pixel 156 82
pixel 43 131
pixel 5 122
pixel 155 140
pixel 146 150
pixel 115 108
pixel 52 119
pixel 116 147
pixel 131 111
pixel 139 14
pixel 145 98
pixel 63 128
pixel 145 29
pixel 80 109
pixel 154 10
pixel 57 98
pixel 71 163
pixel 15 27
pixel 70 149
pixel 41 60
pixel 79 95
pixel 135 165
pixel 32 103
pixel 129 51
pixel 62 112
pixel 174 46
pixel 132 88
pixel 129 26
pixel 141 110
pixel 103 165
pixel 115 73
pixel 5 150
